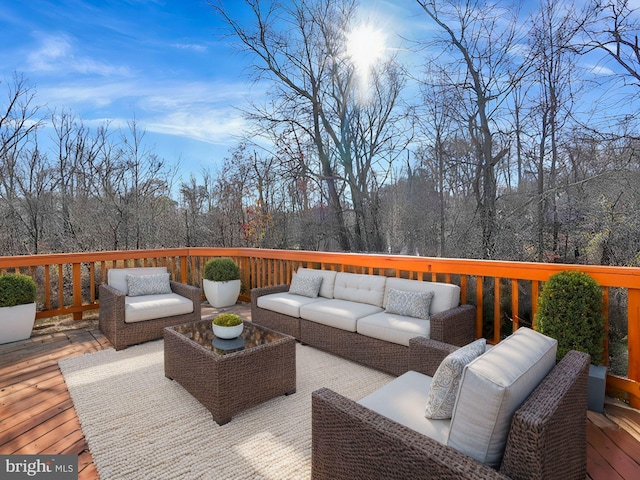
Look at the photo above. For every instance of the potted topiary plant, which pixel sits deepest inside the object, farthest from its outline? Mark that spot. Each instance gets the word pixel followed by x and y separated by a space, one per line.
pixel 570 310
pixel 17 307
pixel 221 282
pixel 227 325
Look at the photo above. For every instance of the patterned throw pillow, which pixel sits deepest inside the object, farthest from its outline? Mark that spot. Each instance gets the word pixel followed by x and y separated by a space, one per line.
pixel 306 285
pixel 446 381
pixel 148 284
pixel 410 304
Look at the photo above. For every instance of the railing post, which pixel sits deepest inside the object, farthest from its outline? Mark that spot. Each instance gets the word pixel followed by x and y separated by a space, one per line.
pixel 633 345
pixel 77 290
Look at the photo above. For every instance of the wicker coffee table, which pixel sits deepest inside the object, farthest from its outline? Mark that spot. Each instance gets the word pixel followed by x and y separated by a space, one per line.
pixel 230 376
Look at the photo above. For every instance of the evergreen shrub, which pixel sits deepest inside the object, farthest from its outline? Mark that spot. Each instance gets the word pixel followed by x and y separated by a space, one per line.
pixel 16 289
pixel 570 310
pixel 221 269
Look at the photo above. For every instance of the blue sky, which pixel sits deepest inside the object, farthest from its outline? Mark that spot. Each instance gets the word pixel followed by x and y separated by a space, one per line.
pixel 160 61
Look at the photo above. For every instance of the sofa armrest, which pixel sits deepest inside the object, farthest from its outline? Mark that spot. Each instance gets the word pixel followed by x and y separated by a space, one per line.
pixel 259 292
pixel 351 441
pixel 456 326
pixel 426 355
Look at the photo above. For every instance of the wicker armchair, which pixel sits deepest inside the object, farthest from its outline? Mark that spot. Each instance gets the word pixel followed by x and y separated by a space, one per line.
pixel 547 439
pixel 122 334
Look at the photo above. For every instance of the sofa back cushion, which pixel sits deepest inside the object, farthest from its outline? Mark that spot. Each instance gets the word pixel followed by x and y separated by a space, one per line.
pixel 493 387
pixel 445 295
pixel 117 277
pixel 328 280
pixel 361 288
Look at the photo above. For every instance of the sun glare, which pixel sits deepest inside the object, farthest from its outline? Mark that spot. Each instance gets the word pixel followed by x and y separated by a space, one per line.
pixel 365 46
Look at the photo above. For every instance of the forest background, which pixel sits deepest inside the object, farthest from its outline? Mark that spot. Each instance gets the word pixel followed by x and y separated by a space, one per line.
pixel 496 148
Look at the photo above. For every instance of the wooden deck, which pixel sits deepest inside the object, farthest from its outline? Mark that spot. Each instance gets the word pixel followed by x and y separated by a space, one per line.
pixel 37 415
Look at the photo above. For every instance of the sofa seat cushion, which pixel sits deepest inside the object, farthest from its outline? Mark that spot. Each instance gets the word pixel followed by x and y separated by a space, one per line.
pixel 393 328
pixel 403 400
pixel 149 307
pixel 285 303
pixel 492 388
pixel 361 288
pixel 445 295
pixel 337 313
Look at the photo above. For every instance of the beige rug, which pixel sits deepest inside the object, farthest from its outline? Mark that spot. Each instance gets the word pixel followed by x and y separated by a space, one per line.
pixel 141 425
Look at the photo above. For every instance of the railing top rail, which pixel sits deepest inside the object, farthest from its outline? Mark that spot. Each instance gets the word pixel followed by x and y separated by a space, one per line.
pixel 626 277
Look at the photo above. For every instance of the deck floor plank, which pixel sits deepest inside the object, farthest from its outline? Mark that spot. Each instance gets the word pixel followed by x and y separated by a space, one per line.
pixel 37 415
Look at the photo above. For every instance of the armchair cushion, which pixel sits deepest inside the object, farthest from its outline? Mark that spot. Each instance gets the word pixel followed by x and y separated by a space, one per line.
pixel 446 381
pixel 117 277
pixel 493 387
pixel 148 284
pixel 402 400
pixel 149 307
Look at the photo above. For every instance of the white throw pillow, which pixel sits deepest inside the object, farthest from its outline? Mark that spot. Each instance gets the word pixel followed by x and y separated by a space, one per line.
pixel 446 381
pixel 148 284
pixel 410 304
pixel 306 285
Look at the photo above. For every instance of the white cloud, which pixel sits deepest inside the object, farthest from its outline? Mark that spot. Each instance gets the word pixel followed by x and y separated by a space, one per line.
pixel 56 54
pixel 191 46
pixel 600 70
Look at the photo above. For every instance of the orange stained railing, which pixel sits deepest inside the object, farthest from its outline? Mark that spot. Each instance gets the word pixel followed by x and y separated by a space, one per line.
pixel 505 293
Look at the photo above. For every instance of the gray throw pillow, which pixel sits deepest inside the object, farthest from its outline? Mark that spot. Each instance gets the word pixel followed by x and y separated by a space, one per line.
pixel 410 304
pixel 306 285
pixel 446 381
pixel 148 284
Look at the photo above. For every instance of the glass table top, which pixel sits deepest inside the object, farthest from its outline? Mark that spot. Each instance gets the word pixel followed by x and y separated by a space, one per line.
pixel 251 336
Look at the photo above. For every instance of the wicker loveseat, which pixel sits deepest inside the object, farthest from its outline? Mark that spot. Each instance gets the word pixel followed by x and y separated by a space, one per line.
pixel 545 438
pixel 127 320
pixel 351 317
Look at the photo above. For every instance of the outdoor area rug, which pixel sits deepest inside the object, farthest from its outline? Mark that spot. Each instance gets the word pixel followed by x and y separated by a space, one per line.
pixel 141 425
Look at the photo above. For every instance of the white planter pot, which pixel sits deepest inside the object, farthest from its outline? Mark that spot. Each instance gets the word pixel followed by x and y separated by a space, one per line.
pixel 221 294
pixel 227 332
pixel 16 322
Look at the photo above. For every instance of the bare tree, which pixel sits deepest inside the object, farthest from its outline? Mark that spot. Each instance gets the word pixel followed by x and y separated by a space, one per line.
pixel 612 28
pixel 553 33
pixel 18 126
pixel 301 49
pixel 483 36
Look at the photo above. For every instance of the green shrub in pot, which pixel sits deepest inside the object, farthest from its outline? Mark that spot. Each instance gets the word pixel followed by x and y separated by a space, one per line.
pixel 570 310
pixel 16 289
pixel 221 269
pixel 17 307
pixel 227 320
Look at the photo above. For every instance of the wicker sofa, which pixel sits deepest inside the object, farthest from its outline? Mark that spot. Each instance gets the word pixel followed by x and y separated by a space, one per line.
pixel 350 316
pixel 127 320
pixel 543 438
